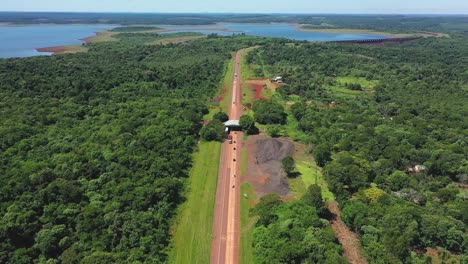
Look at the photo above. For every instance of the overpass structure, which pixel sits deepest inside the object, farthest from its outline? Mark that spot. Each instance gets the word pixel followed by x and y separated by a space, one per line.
pixel 231 124
pixel 379 41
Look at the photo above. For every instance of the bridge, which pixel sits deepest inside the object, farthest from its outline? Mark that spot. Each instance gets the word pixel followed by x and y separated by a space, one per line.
pixel 379 41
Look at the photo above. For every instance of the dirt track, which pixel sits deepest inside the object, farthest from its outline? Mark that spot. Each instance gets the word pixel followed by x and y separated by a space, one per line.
pixel 225 247
pixel 347 238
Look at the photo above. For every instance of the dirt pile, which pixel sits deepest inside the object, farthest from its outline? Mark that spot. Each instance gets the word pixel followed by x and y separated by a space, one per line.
pixel 272 149
pixel 264 169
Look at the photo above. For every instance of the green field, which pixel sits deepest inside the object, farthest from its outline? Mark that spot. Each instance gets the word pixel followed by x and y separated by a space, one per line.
pixel 357 80
pixel 342 92
pixel 247 224
pixel 290 130
pixel 248 94
pixel 310 174
pixel 246 69
pixel 193 232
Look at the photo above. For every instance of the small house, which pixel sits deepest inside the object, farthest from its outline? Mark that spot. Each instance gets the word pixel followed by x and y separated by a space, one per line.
pixel 279 79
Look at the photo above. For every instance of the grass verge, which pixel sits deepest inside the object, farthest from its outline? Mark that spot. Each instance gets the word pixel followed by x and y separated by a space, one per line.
pixel 246 69
pixel 244 160
pixel 226 92
pixel 193 232
pixel 310 174
pixel 247 224
pixel 248 94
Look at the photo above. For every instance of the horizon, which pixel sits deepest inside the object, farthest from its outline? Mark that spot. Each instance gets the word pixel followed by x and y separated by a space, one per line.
pixel 338 7
pixel 232 13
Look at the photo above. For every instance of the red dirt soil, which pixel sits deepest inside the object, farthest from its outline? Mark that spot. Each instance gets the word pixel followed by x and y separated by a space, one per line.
pixel 221 97
pixel 347 238
pixel 61 49
pixel 55 50
pixel 258 92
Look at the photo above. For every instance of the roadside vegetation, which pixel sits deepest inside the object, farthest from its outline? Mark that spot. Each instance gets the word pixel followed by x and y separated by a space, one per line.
pixel 293 232
pixel 387 124
pixel 194 228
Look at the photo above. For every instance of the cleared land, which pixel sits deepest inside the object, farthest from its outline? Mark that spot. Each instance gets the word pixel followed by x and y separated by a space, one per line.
pixel 366 84
pixel 310 173
pixel 194 230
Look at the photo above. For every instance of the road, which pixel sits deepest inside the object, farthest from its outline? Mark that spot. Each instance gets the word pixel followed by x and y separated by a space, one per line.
pixel 225 247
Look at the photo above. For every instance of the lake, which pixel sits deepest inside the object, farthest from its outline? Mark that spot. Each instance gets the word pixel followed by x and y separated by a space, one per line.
pixel 271 30
pixel 22 41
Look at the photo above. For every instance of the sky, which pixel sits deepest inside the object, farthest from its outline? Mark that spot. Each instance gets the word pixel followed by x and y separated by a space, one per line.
pixel 243 6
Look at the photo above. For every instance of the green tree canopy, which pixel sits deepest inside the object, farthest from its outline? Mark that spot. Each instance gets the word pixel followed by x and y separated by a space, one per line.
pixel 269 112
pixel 247 124
pixel 289 165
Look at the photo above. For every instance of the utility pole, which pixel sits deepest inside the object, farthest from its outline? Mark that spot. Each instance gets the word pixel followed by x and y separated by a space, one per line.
pixel 316 174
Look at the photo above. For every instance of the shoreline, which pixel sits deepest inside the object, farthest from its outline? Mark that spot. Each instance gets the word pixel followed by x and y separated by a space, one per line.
pixel 55 50
pixel 300 27
pixel 7 24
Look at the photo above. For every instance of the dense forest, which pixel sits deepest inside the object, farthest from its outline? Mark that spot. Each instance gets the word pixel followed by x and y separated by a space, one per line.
pixel 394 23
pixel 95 147
pixel 389 125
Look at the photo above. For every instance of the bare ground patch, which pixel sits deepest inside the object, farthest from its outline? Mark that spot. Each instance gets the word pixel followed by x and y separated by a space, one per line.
pixel 348 239
pixel 264 170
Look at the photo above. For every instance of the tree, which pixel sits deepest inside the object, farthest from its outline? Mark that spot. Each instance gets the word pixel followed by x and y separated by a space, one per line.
pixel 247 124
pixel 354 86
pixel 398 180
pixel 221 116
pixel 289 165
pixel 265 209
pixel 269 112
pixel 274 131
pixel 313 197
pixel 47 240
pixel 322 154
pixel 298 110
pixel 214 131
pixel 447 194
pixel 99 258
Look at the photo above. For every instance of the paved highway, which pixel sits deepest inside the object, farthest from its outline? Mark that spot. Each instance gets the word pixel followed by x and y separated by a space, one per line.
pixel 225 247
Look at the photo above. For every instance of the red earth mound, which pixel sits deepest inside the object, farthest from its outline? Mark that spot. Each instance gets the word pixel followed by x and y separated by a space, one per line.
pixel 54 50
pixel 258 91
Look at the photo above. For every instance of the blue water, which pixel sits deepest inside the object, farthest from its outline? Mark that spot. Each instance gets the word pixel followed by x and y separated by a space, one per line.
pixel 23 41
pixel 270 30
